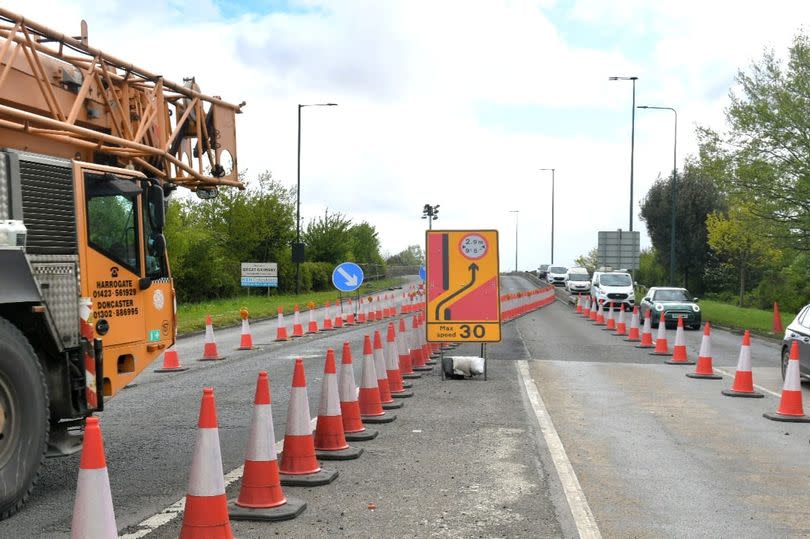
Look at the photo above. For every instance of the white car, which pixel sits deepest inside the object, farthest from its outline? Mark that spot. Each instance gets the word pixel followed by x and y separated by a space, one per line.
pixel 578 281
pixel 615 288
pixel 556 275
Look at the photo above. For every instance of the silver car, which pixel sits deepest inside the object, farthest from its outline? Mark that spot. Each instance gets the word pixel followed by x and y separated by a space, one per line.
pixel 798 330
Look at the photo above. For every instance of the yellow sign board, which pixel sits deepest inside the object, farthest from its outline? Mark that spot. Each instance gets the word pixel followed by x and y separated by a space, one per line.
pixel 462 288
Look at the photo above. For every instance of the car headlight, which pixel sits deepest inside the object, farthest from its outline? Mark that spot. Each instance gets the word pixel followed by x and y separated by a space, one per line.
pixel 659 307
pixel 696 308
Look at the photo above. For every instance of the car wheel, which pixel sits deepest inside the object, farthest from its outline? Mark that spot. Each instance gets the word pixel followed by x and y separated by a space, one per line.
pixel 785 359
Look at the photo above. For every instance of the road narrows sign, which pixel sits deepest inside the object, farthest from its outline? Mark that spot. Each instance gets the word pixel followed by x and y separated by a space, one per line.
pixel 463 298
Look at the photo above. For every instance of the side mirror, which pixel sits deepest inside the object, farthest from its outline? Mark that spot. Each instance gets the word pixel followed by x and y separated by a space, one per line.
pixel 157 215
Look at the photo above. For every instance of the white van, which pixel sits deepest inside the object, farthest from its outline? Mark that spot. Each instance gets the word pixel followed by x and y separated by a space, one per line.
pixel 614 287
pixel 577 281
pixel 556 275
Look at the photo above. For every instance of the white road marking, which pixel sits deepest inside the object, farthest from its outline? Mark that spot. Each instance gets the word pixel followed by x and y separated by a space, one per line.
pixel 154 522
pixel 756 386
pixel 580 510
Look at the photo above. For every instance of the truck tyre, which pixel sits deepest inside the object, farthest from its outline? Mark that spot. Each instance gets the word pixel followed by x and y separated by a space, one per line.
pixel 23 418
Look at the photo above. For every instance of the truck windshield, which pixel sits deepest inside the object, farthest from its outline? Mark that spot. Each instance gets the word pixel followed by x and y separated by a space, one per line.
pixel 557 269
pixel 111 224
pixel 615 279
pixel 578 277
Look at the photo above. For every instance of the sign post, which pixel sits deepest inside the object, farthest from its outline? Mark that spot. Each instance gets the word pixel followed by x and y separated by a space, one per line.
pixel 463 299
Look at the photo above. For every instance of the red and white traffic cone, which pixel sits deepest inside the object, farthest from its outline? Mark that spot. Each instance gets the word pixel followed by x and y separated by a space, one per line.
pixel 429 361
pixel 245 338
pixel 743 385
pixel 621 326
pixel 610 320
pixel 378 311
pixel 330 441
pixel 327 317
pixel 371 315
pixel 261 496
pixel 371 410
pixel 171 362
pixel 790 405
pixel 206 511
pixel 395 383
pixel 594 311
pixel 661 343
pixel 679 356
pixel 417 355
pixel 633 335
pixel 299 466
pixel 704 367
pixel 600 315
pixel 361 312
pixel 312 327
pixel 404 351
pixel 646 332
pixel 93 514
pixel 298 327
pixel 350 321
pixel 339 315
pixel 381 370
pixel 586 309
pixel 579 304
pixel 353 428
pixel 281 329
pixel 210 352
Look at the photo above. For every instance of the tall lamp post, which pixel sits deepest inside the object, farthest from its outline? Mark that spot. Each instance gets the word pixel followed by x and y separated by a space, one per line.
pixel 552 212
pixel 516 212
pixel 632 139
pixel 431 213
pixel 674 191
pixel 298 248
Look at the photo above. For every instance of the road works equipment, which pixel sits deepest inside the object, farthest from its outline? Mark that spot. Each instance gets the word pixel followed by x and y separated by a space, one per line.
pixel 92 146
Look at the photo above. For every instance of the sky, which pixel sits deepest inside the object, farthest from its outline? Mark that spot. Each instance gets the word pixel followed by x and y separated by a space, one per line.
pixel 456 103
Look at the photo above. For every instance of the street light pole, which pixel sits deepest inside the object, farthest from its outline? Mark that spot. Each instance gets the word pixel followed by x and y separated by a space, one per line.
pixel 516 212
pixel 300 253
pixel 552 211
pixel 674 192
pixel 431 213
pixel 632 140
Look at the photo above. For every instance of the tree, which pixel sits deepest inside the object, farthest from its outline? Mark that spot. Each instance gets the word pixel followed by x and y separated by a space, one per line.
pixel 589 261
pixel 650 272
pixel 411 256
pixel 697 196
pixel 329 239
pixel 738 239
pixel 366 244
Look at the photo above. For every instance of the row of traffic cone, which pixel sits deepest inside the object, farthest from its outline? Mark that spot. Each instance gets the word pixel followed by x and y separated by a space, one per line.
pixel 519 303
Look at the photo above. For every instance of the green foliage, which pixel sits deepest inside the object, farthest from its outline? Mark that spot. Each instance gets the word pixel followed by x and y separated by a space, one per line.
pixel 650 271
pixel 589 261
pixel 365 244
pixel 329 239
pixel 411 256
pixel 789 285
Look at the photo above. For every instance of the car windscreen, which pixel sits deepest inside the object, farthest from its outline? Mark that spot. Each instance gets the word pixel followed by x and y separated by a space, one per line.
pixel 615 279
pixel 557 269
pixel 672 295
pixel 578 277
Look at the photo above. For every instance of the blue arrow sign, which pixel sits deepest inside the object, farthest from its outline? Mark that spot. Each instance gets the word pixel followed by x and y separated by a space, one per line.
pixel 347 277
pixel 422 273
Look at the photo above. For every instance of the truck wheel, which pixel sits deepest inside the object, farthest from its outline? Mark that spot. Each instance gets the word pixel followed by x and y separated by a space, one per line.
pixel 23 419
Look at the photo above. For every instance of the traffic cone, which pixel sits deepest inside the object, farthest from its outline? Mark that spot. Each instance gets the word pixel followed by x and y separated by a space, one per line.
pixel 381 370
pixel 171 362
pixel 339 315
pixel 790 405
pixel 610 319
pixel 93 514
pixel 350 321
pixel 777 319
pixel 395 383
pixel 298 328
pixel 425 345
pixel 312 327
pixel 299 467
pixel 646 332
pixel 330 442
pixel 600 315
pixel 245 339
pixel 594 311
pixel 281 330
pixel 210 352
pixel 704 368
pixel 679 349
pixel 206 510
pixel 371 314
pixel 579 304
pixel 621 327
pixel 361 312
pixel 417 356
pixel 378 313
pixel 743 385
pixel 327 318
pixel 633 335
pixel 404 351
pixel 353 428
pixel 261 496
pixel 661 343
pixel 586 310
pixel 371 410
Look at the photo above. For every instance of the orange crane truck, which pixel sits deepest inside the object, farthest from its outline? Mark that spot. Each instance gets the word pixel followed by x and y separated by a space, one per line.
pixel 90 149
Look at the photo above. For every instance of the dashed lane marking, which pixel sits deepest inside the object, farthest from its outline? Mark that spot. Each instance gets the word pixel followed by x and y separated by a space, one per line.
pixel 580 510
pixel 765 389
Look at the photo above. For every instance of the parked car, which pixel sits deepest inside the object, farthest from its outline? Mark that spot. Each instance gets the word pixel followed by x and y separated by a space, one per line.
pixel 578 281
pixel 798 330
pixel 556 275
pixel 613 288
pixel 542 271
pixel 673 302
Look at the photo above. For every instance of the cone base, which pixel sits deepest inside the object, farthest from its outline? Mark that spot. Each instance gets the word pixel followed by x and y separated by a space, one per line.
pixel 411 376
pixel 608 329
pixel 744 394
pixel 660 353
pixel 776 416
pixel 349 453
pixel 704 376
pixel 402 395
pixel 174 369
pixel 321 477
pixel 362 436
pixel 248 348
pixel 407 385
pixel 674 362
pixel 392 405
pixel 288 511
pixel 632 340
pixel 385 418
pixel 645 346
pixel 218 358
pixel 423 368
pixel 430 362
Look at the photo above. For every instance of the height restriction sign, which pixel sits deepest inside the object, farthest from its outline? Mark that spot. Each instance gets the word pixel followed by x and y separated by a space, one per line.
pixel 463 302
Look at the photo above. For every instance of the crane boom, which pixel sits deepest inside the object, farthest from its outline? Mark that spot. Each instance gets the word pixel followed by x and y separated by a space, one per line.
pixel 85 104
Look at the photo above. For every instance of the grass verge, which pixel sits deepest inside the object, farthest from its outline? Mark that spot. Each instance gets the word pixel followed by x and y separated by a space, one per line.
pixel 759 321
pixel 225 312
